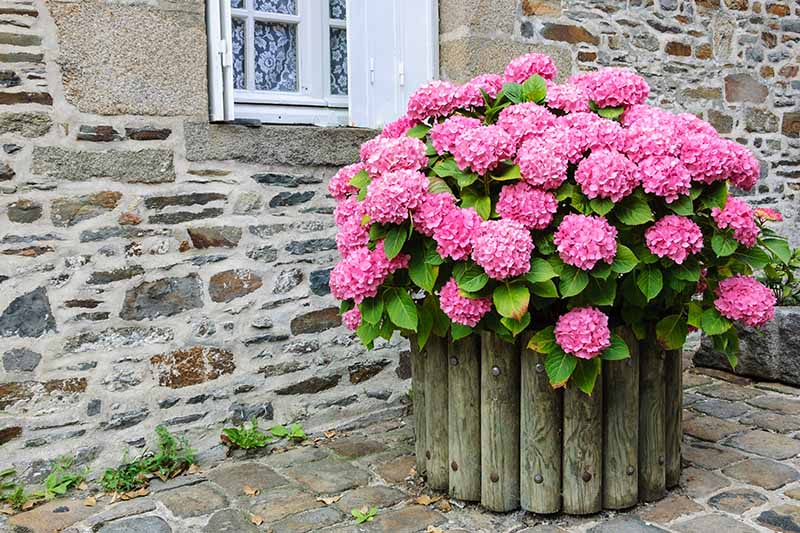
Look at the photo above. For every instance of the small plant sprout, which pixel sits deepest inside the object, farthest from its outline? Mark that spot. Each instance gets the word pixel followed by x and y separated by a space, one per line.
pixel 293 432
pixel 246 437
pixel 364 514
pixel 63 478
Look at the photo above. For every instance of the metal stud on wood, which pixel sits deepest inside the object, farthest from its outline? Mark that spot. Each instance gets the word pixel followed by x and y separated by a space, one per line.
pixel 436 418
pixel 464 413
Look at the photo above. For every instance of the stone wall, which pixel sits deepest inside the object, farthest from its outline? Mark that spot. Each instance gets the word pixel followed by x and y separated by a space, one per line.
pixel 155 268
pixel 733 62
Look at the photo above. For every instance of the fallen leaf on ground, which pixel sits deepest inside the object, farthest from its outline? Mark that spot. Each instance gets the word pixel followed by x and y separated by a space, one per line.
pixel 90 501
pixel 9 512
pixel 434 529
pixel 256 519
pixel 83 486
pixel 427 500
pixel 194 469
pixel 329 434
pixel 444 506
pixel 328 501
pixel 250 491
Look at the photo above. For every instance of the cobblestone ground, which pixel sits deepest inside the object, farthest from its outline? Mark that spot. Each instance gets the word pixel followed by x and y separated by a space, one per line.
pixel 740 459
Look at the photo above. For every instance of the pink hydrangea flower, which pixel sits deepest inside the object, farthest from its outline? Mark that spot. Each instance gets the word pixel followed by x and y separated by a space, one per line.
pixel 665 176
pixel 481 149
pixel 533 208
pixel 742 166
pixel 654 134
pixel 359 274
pixel 433 99
pixel 744 299
pixel 675 237
pixel 469 94
pixel 339 185
pixel 503 248
pixel 738 216
pixel 595 132
pixel 525 121
pixel 381 155
pixel 444 134
pixel 583 241
pixel 567 98
pixel 637 112
pixel 607 174
pixel 689 123
pixel 460 309
pixel 566 142
pixel 398 128
pixel 765 214
pixel 523 67
pixel 455 233
pixel 352 319
pixel 393 195
pixel 613 87
pixel 541 164
pixel 583 332
pixel 348 209
pixel 352 235
pixel 431 211
pixel 704 157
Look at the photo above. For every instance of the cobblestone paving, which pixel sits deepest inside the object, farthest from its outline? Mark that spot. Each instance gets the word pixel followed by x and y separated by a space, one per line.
pixel 740 458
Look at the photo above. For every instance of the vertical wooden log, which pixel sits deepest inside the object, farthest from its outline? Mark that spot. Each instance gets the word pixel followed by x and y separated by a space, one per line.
pixel 464 413
pixel 583 450
pixel 621 428
pixel 652 482
pixel 673 417
pixel 540 436
pixel 418 392
pixel 436 392
pixel 500 382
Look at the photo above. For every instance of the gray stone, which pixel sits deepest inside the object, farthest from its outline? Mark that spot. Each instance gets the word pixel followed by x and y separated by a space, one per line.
pixel 311 385
pixel 240 413
pixel 287 199
pixel 625 524
pixel 197 198
pixel 778 404
pixel 21 360
pixel 783 518
pixel 119 274
pixel 247 203
pixel 143 166
pixel 710 457
pixel 231 284
pixel 287 280
pixel 72 210
pixel 122 510
pixel 98 134
pixel 721 408
pixel 125 419
pixel 310 246
pixel 115 338
pixel 307 521
pixel 28 315
pixel 147 133
pixel 135 73
pixel 379 496
pixel 273 144
pixel 766 444
pixel 209 237
pixel 233 478
pixel 318 281
pixel 230 521
pixel 764 473
pixel 24 211
pixel 264 254
pixel 284 180
pixel 138 524
pixel 737 501
pixel 329 476
pixel 6 172
pixel 277 504
pixel 120 232
pixel 194 500
pixel 9 78
pixel 185 216
pixel 165 297
pixel 713 522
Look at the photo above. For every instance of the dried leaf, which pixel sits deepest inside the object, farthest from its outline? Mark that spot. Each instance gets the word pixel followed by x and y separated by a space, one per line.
pixel 329 501
pixel 83 486
pixel 434 529
pixel 194 469
pixel 427 500
pixel 9 512
pixel 28 505
pixel 444 506
pixel 256 519
pixel 90 501
pixel 329 434
pixel 250 491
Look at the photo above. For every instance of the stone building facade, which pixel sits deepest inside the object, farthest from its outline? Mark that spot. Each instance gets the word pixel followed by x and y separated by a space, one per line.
pixel 156 268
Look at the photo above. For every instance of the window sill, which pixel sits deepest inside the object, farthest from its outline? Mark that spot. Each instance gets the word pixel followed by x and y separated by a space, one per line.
pixel 287 114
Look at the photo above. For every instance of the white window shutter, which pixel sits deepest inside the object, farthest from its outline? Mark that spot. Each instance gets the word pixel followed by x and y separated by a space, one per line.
pixel 220 60
pixel 392 49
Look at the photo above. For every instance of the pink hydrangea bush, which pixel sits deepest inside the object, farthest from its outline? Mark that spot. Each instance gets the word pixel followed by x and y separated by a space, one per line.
pixel 511 203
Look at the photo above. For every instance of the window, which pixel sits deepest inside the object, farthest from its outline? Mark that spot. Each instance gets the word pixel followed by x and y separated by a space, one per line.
pixel 289 61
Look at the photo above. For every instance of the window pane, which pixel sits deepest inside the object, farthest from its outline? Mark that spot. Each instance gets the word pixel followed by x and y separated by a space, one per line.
pixel 276 57
pixel 238 53
pixel 338 61
pixel 287 7
pixel 337 9
pixel 237 4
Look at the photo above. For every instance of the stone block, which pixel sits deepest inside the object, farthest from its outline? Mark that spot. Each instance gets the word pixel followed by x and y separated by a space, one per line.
pixel 27 124
pixel 766 444
pixel 737 501
pixel 214 237
pixel 231 284
pixel 536 8
pixel 143 166
pixel 52 516
pixel 161 298
pixel 329 476
pixel 569 34
pixel 782 518
pixel 764 473
pixel 192 366
pixel 713 522
pixel 791 124
pixel 138 524
pixel 24 211
pixel 116 338
pixel 233 478
pixel 743 88
pixel 69 211
pixel 194 500
pixel 316 321
pixel 277 504
pixel 28 315
pixel 479 16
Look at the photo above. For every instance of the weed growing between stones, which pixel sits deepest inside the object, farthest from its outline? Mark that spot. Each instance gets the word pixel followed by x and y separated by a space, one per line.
pixel 63 478
pixel 364 514
pixel 248 436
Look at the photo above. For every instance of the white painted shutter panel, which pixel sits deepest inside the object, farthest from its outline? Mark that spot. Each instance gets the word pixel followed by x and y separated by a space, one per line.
pixel 392 49
pixel 220 60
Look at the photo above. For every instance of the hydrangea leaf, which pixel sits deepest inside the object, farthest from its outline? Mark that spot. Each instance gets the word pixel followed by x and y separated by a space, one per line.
pixel 534 89
pixel 625 260
pixel 545 289
pixel 723 244
pixel 470 277
pixel 394 241
pixel 682 206
pixel 511 299
pixel 671 332
pixel 559 366
pixel 617 351
pixel 714 323
pixel 573 281
pixel 372 309
pixel 611 113
pixel 779 247
pixel 601 206
pixel 634 211
pixel 438 186
pixel 516 326
pixel 460 331
pixel 602 292
pixel 585 375
pixel 543 341
pixel 401 308
pixel 688 271
pixel 650 281
pixel 422 273
pixel 541 270
pixel 419 131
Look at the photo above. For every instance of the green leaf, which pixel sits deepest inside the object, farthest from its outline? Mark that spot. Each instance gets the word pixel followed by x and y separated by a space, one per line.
pixel 545 244
pixel 441 323
pixel 459 331
pixel 617 351
pixel 671 332
pixel 601 206
pixel 394 241
pixel 625 260
pixel 545 289
pixel 601 270
pixel 470 277
pixel 602 292
pixel 543 341
pixel 559 366
pixel 447 167
pixel 367 333
pixel 511 299
pixel 431 255
pixel 516 326
pixel 426 318
pixel 723 244
pixel 419 131
pixel 513 92
pixel 714 323
pixel 511 173
pixel 650 282
pixel 534 89
pixel 682 206
pixel 401 308
pixel 611 112
pixel 465 179
pixel 573 281
pixel 585 374
pixel 716 195
pixel 372 309
pixel 483 205
pixel 541 270
pixel 634 210
pixel 695 315
pixel 779 247
pixel 688 271
pixel 438 186
pixel 360 180
pixel 755 257
pixel 423 273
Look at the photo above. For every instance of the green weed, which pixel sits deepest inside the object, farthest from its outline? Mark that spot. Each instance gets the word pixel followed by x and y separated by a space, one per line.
pixel 248 436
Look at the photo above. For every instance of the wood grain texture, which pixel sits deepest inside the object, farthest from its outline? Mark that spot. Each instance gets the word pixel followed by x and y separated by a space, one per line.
pixel 583 450
pixel 652 482
pixel 540 436
pixel 500 411
pixel 621 428
pixel 464 413
pixel 436 419
pixel 673 417
pixel 418 393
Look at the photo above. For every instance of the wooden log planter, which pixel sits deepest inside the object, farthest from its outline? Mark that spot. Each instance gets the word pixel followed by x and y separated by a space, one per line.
pixel 491 429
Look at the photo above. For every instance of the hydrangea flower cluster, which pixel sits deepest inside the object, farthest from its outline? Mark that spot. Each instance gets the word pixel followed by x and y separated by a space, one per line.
pixel 583 241
pixel 675 237
pixel 462 310
pixel 512 203
pixel 583 332
pixel 745 299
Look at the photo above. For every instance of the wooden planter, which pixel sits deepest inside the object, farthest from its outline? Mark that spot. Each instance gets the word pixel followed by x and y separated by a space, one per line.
pixel 490 428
